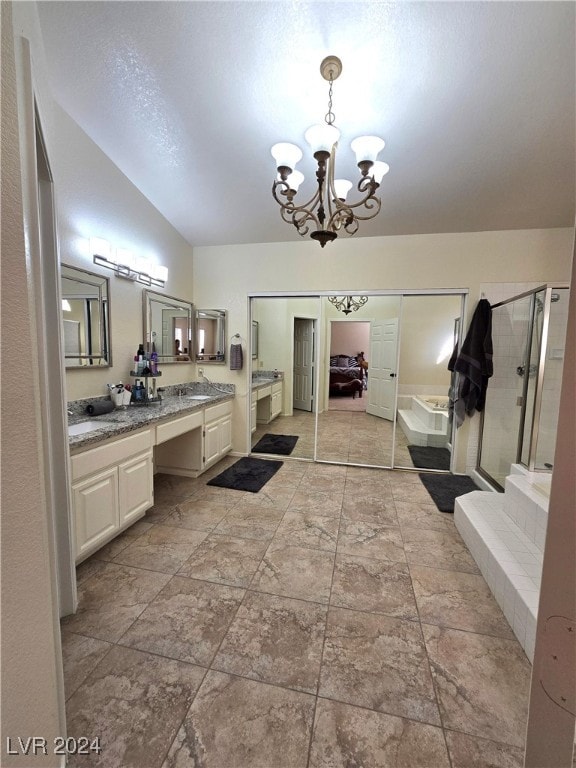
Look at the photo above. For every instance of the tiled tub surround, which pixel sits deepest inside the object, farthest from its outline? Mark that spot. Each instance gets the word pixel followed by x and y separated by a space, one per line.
pixel 302 626
pixel 122 420
pixel 505 534
pixel 422 423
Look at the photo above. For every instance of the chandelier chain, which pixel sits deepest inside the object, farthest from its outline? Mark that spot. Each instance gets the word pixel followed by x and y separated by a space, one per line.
pixel 330 116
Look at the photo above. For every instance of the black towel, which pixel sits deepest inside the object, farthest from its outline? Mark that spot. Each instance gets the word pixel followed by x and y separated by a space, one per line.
pixel 236 357
pixel 100 407
pixel 473 364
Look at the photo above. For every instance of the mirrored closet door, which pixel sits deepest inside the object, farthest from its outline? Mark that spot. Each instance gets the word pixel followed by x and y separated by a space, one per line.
pixel 365 387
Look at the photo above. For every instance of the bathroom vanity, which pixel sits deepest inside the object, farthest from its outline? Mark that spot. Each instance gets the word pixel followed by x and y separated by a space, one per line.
pixel 266 401
pixel 112 466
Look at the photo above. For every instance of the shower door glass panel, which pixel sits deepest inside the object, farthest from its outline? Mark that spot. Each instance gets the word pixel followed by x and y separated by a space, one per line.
pixel 423 428
pixel 530 374
pixel 356 420
pixel 273 414
pixel 554 363
pixel 502 414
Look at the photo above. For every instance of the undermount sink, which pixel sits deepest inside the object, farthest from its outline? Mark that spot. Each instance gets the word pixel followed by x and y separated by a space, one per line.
pixel 199 397
pixel 86 426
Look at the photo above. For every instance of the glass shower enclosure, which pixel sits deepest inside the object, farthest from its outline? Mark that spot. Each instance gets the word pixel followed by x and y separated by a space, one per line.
pixel 521 413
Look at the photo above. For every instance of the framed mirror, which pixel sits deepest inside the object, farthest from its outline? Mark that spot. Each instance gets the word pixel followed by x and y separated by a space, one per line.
pixel 210 335
pixel 168 327
pixel 86 318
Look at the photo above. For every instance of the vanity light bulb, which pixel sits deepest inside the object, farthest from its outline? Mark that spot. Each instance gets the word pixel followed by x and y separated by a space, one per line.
pixel 124 257
pixel 100 247
pixel 160 273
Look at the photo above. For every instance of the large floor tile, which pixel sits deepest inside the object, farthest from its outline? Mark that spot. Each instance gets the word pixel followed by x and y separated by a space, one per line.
pixel 119 543
pixel 307 529
pixel 275 640
pixel 412 514
pixel 319 502
pixel 369 539
pixel 250 522
pixel 482 682
pixel 80 655
pixel 186 621
pixel 163 548
pixel 366 584
pixel 458 600
pixel 196 515
pixel 438 549
pixel 471 752
pixel 346 736
pixel 135 703
pixel 112 600
pixel 225 559
pixel 238 723
pixel 294 571
pixel 369 507
pixel 378 662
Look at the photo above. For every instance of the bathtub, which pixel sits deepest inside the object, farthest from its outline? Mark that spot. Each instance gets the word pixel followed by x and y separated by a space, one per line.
pixel 424 419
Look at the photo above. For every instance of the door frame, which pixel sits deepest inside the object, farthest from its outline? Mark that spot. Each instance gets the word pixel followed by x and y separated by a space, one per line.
pixel 315 345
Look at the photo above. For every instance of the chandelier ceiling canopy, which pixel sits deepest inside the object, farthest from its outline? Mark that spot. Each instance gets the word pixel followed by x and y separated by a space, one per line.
pixel 327 213
pixel 348 304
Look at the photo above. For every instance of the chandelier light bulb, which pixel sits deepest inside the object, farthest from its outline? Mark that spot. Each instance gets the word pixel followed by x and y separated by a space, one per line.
pixel 286 156
pixel 322 137
pixel 379 170
pixel 367 148
pixel 293 180
pixel 342 187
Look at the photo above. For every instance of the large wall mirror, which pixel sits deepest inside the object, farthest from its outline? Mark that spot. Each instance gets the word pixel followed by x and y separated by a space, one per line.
pixel 370 388
pixel 86 318
pixel 211 335
pixel 168 327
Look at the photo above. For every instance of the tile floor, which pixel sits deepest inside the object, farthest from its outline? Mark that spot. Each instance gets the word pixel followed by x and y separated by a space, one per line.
pixel 333 619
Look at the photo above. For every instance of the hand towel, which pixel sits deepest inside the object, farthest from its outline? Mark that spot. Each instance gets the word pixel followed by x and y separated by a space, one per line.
pixel 236 357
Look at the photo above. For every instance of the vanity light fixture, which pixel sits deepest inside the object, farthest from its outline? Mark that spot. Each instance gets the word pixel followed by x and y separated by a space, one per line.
pixel 327 213
pixel 348 304
pixel 126 265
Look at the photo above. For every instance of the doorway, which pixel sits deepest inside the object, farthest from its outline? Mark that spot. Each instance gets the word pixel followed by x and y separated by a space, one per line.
pixel 349 341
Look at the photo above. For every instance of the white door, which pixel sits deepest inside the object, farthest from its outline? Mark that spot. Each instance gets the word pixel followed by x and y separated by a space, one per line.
pixel 382 374
pixel 303 364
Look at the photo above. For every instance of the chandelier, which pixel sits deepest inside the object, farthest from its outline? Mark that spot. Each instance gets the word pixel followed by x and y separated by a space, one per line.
pixel 327 212
pixel 348 304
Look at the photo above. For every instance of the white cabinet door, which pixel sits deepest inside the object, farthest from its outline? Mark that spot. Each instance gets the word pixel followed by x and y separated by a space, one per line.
pixel 135 487
pixel 225 435
pixel 276 404
pixel 253 410
pixel 96 506
pixel 211 442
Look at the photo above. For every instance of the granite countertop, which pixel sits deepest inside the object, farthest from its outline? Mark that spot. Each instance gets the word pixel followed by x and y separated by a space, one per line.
pixel 262 379
pixel 134 417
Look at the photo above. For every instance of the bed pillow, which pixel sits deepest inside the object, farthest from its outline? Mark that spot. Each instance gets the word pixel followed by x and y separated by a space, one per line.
pixel 333 362
pixel 343 361
pixel 352 362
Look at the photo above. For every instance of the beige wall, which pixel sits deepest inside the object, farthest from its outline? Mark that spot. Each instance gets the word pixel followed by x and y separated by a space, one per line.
pixel 30 651
pixel 350 337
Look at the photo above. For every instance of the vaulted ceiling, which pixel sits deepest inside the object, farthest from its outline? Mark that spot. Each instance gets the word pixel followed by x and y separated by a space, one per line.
pixel 476 102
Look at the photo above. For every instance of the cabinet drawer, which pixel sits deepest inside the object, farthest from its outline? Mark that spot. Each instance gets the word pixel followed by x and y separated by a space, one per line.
pixel 111 452
pixel 179 426
pixel 254 396
pixel 264 392
pixel 276 387
pixel 217 412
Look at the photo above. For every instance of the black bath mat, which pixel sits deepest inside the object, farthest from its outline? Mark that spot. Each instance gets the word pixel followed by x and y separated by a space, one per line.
pixel 283 445
pixel 444 489
pixel 247 474
pixel 424 457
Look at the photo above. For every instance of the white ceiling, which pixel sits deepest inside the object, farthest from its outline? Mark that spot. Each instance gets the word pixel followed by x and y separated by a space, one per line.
pixel 476 102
